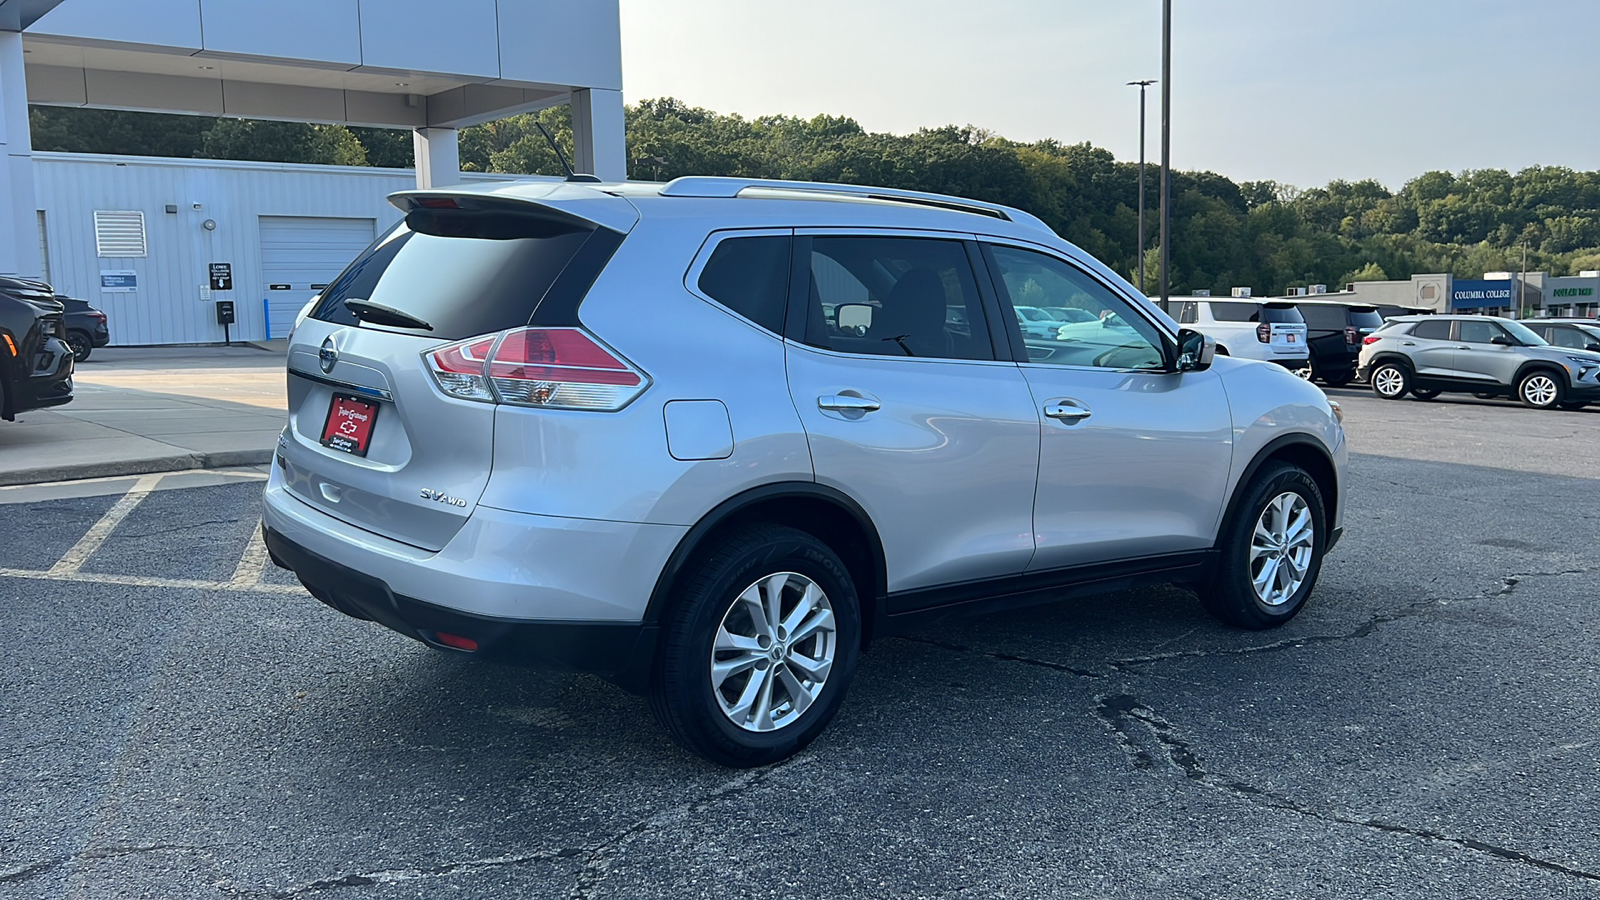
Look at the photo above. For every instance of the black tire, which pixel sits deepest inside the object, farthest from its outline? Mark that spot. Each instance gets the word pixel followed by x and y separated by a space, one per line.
pixel 1338 379
pixel 1222 351
pixel 1485 395
pixel 81 345
pixel 1541 389
pixel 1230 595
pixel 1390 380
pixel 1574 405
pixel 1423 395
pixel 681 693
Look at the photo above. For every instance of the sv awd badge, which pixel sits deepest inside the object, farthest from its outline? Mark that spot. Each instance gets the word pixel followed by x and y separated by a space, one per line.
pixel 442 497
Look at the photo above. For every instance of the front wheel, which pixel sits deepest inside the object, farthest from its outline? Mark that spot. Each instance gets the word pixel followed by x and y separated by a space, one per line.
pixel 1540 390
pixel 1271 551
pixel 1574 405
pixel 1338 379
pixel 1390 381
pixel 758 648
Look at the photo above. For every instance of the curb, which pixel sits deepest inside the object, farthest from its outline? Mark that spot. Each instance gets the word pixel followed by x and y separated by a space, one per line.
pixel 176 463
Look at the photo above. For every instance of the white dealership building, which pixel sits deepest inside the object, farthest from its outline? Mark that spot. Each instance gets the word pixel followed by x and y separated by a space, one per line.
pixel 150 240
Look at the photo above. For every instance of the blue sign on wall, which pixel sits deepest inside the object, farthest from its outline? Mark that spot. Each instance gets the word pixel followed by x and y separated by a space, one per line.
pixel 119 282
pixel 1478 293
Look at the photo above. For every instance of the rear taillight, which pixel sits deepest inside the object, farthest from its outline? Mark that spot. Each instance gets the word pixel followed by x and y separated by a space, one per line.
pixel 1264 333
pixel 458 368
pixel 1350 335
pixel 551 368
pixel 95 314
pixel 1370 339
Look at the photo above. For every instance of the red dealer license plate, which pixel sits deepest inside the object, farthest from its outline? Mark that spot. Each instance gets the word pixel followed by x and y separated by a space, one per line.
pixel 349 424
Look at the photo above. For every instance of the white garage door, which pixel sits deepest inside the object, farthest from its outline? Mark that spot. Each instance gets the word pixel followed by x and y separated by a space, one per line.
pixel 300 255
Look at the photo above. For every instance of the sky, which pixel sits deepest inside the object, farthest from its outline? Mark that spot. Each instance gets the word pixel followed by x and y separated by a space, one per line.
pixel 1292 91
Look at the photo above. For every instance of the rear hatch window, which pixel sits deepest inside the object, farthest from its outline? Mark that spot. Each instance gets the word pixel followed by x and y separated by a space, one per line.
pixel 1276 313
pixel 460 275
pixel 1365 318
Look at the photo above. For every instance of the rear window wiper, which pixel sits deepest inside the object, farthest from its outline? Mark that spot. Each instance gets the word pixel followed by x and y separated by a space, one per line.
pixel 378 314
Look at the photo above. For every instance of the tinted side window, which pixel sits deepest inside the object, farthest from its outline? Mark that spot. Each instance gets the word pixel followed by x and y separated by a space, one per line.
pixel 895 296
pixel 1433 330
pixel 1113 336
pixel 750 275
pixel 1478 332
pixel 1324 318
pixel 488 275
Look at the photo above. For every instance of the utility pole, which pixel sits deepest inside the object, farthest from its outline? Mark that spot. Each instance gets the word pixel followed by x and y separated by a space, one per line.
pixel 1142 86
pixel 1166 154
pixel 1522 286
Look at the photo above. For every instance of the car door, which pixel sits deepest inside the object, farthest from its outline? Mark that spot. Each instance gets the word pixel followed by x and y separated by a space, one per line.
pixel 920 422
pixel 1477 358
pixel 1133 457
pixel 1429 346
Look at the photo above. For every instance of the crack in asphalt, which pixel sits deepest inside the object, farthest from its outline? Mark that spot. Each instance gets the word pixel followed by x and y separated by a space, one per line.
pixel 1120 712
pixel 1008 657
pixel 597 860
pixel 46 866
pixel 602 857
pixel 396 876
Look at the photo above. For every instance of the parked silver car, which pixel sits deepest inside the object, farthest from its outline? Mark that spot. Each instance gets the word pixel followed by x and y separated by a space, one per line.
pixel 1482 355
pixel 609 426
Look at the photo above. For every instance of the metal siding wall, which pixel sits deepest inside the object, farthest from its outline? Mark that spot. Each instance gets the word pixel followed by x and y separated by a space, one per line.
pixel 167 307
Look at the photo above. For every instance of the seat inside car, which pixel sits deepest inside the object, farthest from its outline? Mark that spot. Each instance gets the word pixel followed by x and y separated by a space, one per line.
pixel 913 315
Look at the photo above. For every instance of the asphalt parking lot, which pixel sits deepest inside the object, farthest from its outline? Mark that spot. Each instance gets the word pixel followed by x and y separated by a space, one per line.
pixel 178 719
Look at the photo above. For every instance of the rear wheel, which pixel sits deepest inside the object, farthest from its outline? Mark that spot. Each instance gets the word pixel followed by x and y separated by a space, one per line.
pixel 80 344
pixel 1423 395
pixel 1540 389
pixel 1271 551
pixel 1574 405
pixel 1485 395
pixel 1390 381
pixel 758 648
pixel 1338 379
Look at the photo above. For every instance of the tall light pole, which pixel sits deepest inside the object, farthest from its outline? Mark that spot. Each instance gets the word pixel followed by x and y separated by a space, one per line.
pixel 1142 86
pixel 1166 153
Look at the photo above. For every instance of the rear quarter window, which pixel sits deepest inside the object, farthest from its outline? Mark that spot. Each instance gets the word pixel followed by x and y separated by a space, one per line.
pixel 750 276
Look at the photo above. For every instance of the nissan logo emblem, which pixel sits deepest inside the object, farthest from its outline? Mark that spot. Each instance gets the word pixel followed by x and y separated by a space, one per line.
pixel 328 356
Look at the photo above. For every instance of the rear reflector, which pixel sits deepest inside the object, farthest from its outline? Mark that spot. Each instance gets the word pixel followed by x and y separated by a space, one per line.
pixel 552 368
pixel 456 641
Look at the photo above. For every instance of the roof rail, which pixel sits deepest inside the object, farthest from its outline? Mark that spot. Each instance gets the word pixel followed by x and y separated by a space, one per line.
pixel 716 186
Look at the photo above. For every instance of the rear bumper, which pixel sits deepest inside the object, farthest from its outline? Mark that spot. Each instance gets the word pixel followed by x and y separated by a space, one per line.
pixel 619 650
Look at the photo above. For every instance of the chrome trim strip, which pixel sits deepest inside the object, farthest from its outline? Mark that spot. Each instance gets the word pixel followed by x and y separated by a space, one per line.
pixel 362 389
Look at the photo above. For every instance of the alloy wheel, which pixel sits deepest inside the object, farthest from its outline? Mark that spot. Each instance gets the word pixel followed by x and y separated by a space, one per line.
pixel 1540 390
pixel 1389 381
pixel 1280 549
pixel 773 651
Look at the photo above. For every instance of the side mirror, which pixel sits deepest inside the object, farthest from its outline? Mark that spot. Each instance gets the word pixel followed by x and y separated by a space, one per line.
pixel 854 317
pixel 1502 340
pixel 1591 346
pixel 1195 350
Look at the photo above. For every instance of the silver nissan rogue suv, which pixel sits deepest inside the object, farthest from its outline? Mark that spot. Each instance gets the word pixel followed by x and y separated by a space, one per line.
pixel 712 438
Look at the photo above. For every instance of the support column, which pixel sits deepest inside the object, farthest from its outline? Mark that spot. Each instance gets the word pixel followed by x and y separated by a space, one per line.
pixel 19 217
pixel 438 157
pixel 599 142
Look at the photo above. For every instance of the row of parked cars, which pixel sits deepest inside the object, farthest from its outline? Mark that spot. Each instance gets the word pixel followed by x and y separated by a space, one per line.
pixel 42 335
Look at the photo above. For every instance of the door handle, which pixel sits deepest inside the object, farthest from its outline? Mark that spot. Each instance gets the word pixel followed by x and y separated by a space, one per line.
pixel 847 403
pixel 1408 343
pixel 1463 348
pixel 1067 412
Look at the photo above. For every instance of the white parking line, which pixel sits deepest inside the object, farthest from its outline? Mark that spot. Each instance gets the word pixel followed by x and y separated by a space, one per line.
pixel 73 559
pixel 147 581
pixel 252 564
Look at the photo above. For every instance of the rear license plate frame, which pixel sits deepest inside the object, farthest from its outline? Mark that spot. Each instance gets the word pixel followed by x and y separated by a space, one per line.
pixel 355 442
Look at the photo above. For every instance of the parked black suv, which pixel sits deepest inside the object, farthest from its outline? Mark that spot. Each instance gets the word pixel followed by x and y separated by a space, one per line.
pixel 1334 330
pixel 35 361
pixel 86 327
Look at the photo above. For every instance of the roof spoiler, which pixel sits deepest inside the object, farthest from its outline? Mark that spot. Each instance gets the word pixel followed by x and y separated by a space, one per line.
pixel 573 205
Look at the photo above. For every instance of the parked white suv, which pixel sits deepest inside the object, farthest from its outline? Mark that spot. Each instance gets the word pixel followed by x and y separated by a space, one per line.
pixel 1268 330
pixel 611 427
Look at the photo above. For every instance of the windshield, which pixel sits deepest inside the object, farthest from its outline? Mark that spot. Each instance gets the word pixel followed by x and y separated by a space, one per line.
pixel 1523 333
